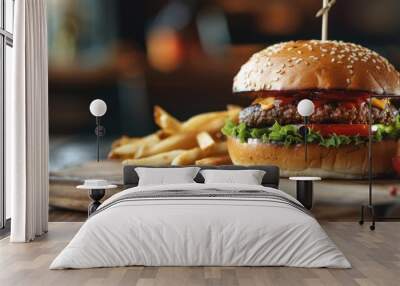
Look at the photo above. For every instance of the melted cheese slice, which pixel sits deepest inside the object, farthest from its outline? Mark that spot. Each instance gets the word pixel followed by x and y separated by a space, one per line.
pixel 265 103
pixel 380 103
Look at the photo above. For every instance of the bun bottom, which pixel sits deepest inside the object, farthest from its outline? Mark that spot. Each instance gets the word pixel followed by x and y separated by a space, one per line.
pixel 345 162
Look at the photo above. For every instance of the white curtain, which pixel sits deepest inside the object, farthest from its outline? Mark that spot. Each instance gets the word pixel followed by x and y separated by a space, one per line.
pixel 27 124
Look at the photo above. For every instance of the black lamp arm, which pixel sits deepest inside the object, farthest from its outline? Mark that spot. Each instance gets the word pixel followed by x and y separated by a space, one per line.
pixel 305 138
pixel 100 131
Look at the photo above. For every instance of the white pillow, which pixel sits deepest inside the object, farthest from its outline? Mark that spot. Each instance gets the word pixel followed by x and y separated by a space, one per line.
pixel 163 176
pixel 248 177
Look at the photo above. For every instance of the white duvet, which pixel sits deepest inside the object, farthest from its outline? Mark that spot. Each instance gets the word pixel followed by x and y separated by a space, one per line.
pixel 200 231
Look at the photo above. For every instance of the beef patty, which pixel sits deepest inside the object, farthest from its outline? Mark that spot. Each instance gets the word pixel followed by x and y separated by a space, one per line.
pixel 255 116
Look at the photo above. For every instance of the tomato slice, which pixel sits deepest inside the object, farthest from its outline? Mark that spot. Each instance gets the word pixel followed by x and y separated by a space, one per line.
pixel 349 105
pixel 341 129
pixel 345 96
pixel 319 102
pixel 285 100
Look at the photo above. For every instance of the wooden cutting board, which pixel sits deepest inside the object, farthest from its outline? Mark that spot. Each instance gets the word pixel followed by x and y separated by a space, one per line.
pixel 63 192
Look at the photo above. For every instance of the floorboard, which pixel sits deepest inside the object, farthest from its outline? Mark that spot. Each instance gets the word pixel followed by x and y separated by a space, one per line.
pixel 375 257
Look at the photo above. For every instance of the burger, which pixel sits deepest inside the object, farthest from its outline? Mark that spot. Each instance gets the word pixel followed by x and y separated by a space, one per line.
pixel 343 80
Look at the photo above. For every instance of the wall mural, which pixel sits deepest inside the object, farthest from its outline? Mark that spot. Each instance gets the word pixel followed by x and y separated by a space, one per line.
pixel 185 86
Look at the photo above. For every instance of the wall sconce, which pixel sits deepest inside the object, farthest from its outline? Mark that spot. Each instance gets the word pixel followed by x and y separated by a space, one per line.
pixel 305 108
pixel 98 108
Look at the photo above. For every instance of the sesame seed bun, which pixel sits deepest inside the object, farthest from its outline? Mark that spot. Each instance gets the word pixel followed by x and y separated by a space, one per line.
pixel 346 162
pixel 318 65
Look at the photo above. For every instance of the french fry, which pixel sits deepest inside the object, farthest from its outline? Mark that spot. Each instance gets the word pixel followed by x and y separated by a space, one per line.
pixel 230 107
pixel 128 150
pixel 161 159
pixel 204 140
pixel 210 122
pixel 177 141
pixel 216 160
pixel 140 151
pixel 233 112
pixel 199 122
pixel 189 157
pixel 215 125
pixel 220 148
pixel 195 139
pixel 166 121
pixel 124 140
pixel 123 152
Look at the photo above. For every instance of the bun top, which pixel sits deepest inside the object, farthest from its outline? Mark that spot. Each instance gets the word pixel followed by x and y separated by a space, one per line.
pixel 317 65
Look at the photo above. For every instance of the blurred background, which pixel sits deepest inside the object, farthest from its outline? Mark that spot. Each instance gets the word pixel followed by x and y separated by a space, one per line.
pixel 174 53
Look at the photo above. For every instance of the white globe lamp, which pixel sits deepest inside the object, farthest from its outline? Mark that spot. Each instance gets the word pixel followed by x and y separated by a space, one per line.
pixel 98 108
pixel 305 107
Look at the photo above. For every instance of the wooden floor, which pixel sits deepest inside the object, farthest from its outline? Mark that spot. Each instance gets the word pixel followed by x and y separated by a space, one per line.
pixel 64 215
pixel 375 257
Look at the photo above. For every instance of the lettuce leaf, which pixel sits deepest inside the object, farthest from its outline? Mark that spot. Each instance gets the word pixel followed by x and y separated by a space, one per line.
pixel 387 131
pixel 290 134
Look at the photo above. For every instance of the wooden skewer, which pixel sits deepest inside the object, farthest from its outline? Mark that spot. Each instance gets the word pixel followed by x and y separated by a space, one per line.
pixel 324 11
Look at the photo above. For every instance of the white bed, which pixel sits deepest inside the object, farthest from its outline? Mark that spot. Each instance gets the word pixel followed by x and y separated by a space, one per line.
pixel 246 225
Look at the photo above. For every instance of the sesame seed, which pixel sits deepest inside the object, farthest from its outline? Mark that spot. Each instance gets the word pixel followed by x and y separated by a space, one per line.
pixel 333 60
pixel 348 80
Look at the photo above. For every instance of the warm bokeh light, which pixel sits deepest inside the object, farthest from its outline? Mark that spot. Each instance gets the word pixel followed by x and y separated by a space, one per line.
pixel 164 49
